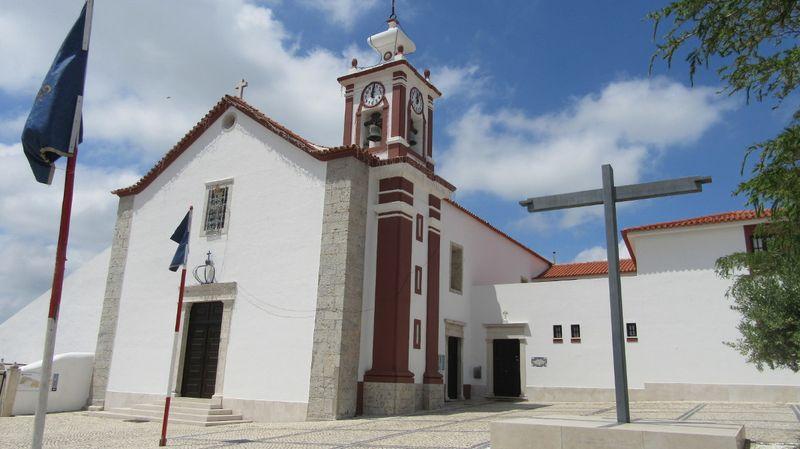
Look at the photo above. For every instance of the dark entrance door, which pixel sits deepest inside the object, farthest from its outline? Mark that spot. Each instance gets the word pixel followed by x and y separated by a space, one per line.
pixel 202 350
pixel 506 368
pixel 452 367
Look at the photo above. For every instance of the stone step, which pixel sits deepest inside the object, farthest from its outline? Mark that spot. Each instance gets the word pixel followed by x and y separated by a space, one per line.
pixel 178 415
pixel 194 403
pixel 122 415
pixel 179 408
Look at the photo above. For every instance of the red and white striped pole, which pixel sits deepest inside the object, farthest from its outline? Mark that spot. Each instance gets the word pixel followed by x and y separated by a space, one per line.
pixel 175 342
pixel 61 257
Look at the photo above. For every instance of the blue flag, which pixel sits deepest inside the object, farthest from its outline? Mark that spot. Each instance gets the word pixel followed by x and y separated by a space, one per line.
pixel 181 237
pixel 48 132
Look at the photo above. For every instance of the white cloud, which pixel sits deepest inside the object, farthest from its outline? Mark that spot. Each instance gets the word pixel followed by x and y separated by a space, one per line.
pixel 466 81
pixel 11 128
pixel 30 224
pixel 156 67
pixel 596 253
pixel 342 12
pixel 514 156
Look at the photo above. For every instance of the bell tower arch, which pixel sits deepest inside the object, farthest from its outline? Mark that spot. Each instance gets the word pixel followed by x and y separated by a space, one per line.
pixel 388 107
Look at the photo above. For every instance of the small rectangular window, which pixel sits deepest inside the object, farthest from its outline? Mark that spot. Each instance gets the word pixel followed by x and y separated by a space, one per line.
pixel 575 330
pixel 755 241
pixel 217 213
pixel 557 333
pixel 456 268
pixel 417 334
pixel 631 329
pixel 418 280
pixel 420 229
pixel 759 243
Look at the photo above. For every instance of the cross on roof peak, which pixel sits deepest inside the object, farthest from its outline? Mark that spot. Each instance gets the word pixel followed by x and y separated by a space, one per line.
pixel 239 88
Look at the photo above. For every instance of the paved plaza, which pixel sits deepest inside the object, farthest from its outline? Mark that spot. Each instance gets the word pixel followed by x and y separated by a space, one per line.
pixel 461 425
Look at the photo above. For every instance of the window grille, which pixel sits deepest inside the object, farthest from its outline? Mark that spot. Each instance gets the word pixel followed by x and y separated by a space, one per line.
pixel 631 328
pixel 557 333
pixel 216 217
pixel 576 330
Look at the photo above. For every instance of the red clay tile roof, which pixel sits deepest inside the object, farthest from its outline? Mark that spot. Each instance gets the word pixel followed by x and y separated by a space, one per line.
pixel 737 215
pixel 726 217
pixel 501 233
pixel 317 151
pixel 585 269
pixel 590 269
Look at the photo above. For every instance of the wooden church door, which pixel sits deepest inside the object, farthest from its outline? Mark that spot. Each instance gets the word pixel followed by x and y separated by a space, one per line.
pixel 506 368
pixel 202 350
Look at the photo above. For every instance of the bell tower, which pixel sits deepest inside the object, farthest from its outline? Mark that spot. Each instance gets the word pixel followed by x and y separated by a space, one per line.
pixel 388 106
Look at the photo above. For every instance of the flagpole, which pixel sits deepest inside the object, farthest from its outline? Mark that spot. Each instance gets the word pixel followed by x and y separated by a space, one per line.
pixel 61 259
pixel 55 302
pixel 175 343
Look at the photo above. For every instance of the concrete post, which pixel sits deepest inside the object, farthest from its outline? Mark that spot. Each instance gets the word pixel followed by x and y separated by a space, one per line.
pixel 10 383
pixel 615 292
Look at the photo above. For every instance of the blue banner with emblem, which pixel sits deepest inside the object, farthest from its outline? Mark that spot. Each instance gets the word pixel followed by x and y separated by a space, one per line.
pixel 50 131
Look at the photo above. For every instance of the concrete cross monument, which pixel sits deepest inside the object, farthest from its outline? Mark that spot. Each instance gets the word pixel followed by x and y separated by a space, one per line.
pixel 239 88
pixel 609 196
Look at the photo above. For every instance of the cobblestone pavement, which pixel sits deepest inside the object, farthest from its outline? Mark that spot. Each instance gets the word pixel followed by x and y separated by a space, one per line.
pixel 461 425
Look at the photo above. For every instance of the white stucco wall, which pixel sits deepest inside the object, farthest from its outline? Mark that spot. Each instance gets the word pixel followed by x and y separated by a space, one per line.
pixel 687 248
pixel 22 335
pixel 682 317
pixel 271 250
pixel 489 258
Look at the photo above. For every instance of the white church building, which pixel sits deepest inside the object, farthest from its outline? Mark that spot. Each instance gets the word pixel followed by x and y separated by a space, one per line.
pixel 348 281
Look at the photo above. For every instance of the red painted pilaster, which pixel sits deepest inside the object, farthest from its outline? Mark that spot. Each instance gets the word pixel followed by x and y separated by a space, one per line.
pixel 347 136
pixel 399 105
pixel 391 339
pixel 429 132
pixel 432 375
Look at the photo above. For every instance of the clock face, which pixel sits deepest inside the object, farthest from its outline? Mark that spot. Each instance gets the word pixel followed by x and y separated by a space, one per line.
pixel 373 94
pixel 416 100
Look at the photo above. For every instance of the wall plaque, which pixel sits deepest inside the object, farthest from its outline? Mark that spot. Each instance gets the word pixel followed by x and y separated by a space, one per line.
pixel 538 362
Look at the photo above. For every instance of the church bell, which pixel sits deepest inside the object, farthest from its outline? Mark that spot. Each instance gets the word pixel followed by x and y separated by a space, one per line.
pixel 374 133
pixel 412 135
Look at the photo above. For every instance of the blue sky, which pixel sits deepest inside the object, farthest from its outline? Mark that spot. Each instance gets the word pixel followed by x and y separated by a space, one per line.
pixel 537 95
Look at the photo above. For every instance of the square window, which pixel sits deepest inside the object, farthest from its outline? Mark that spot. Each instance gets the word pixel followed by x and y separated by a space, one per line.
pixel 417 334
pixel 420 224
pixel 418 280
pixel 576 331
pixel 456 268
pixel 217 213
pixel 557 332
pixel 631 330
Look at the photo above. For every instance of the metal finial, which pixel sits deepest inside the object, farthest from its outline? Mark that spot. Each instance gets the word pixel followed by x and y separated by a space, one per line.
pixel 393 15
